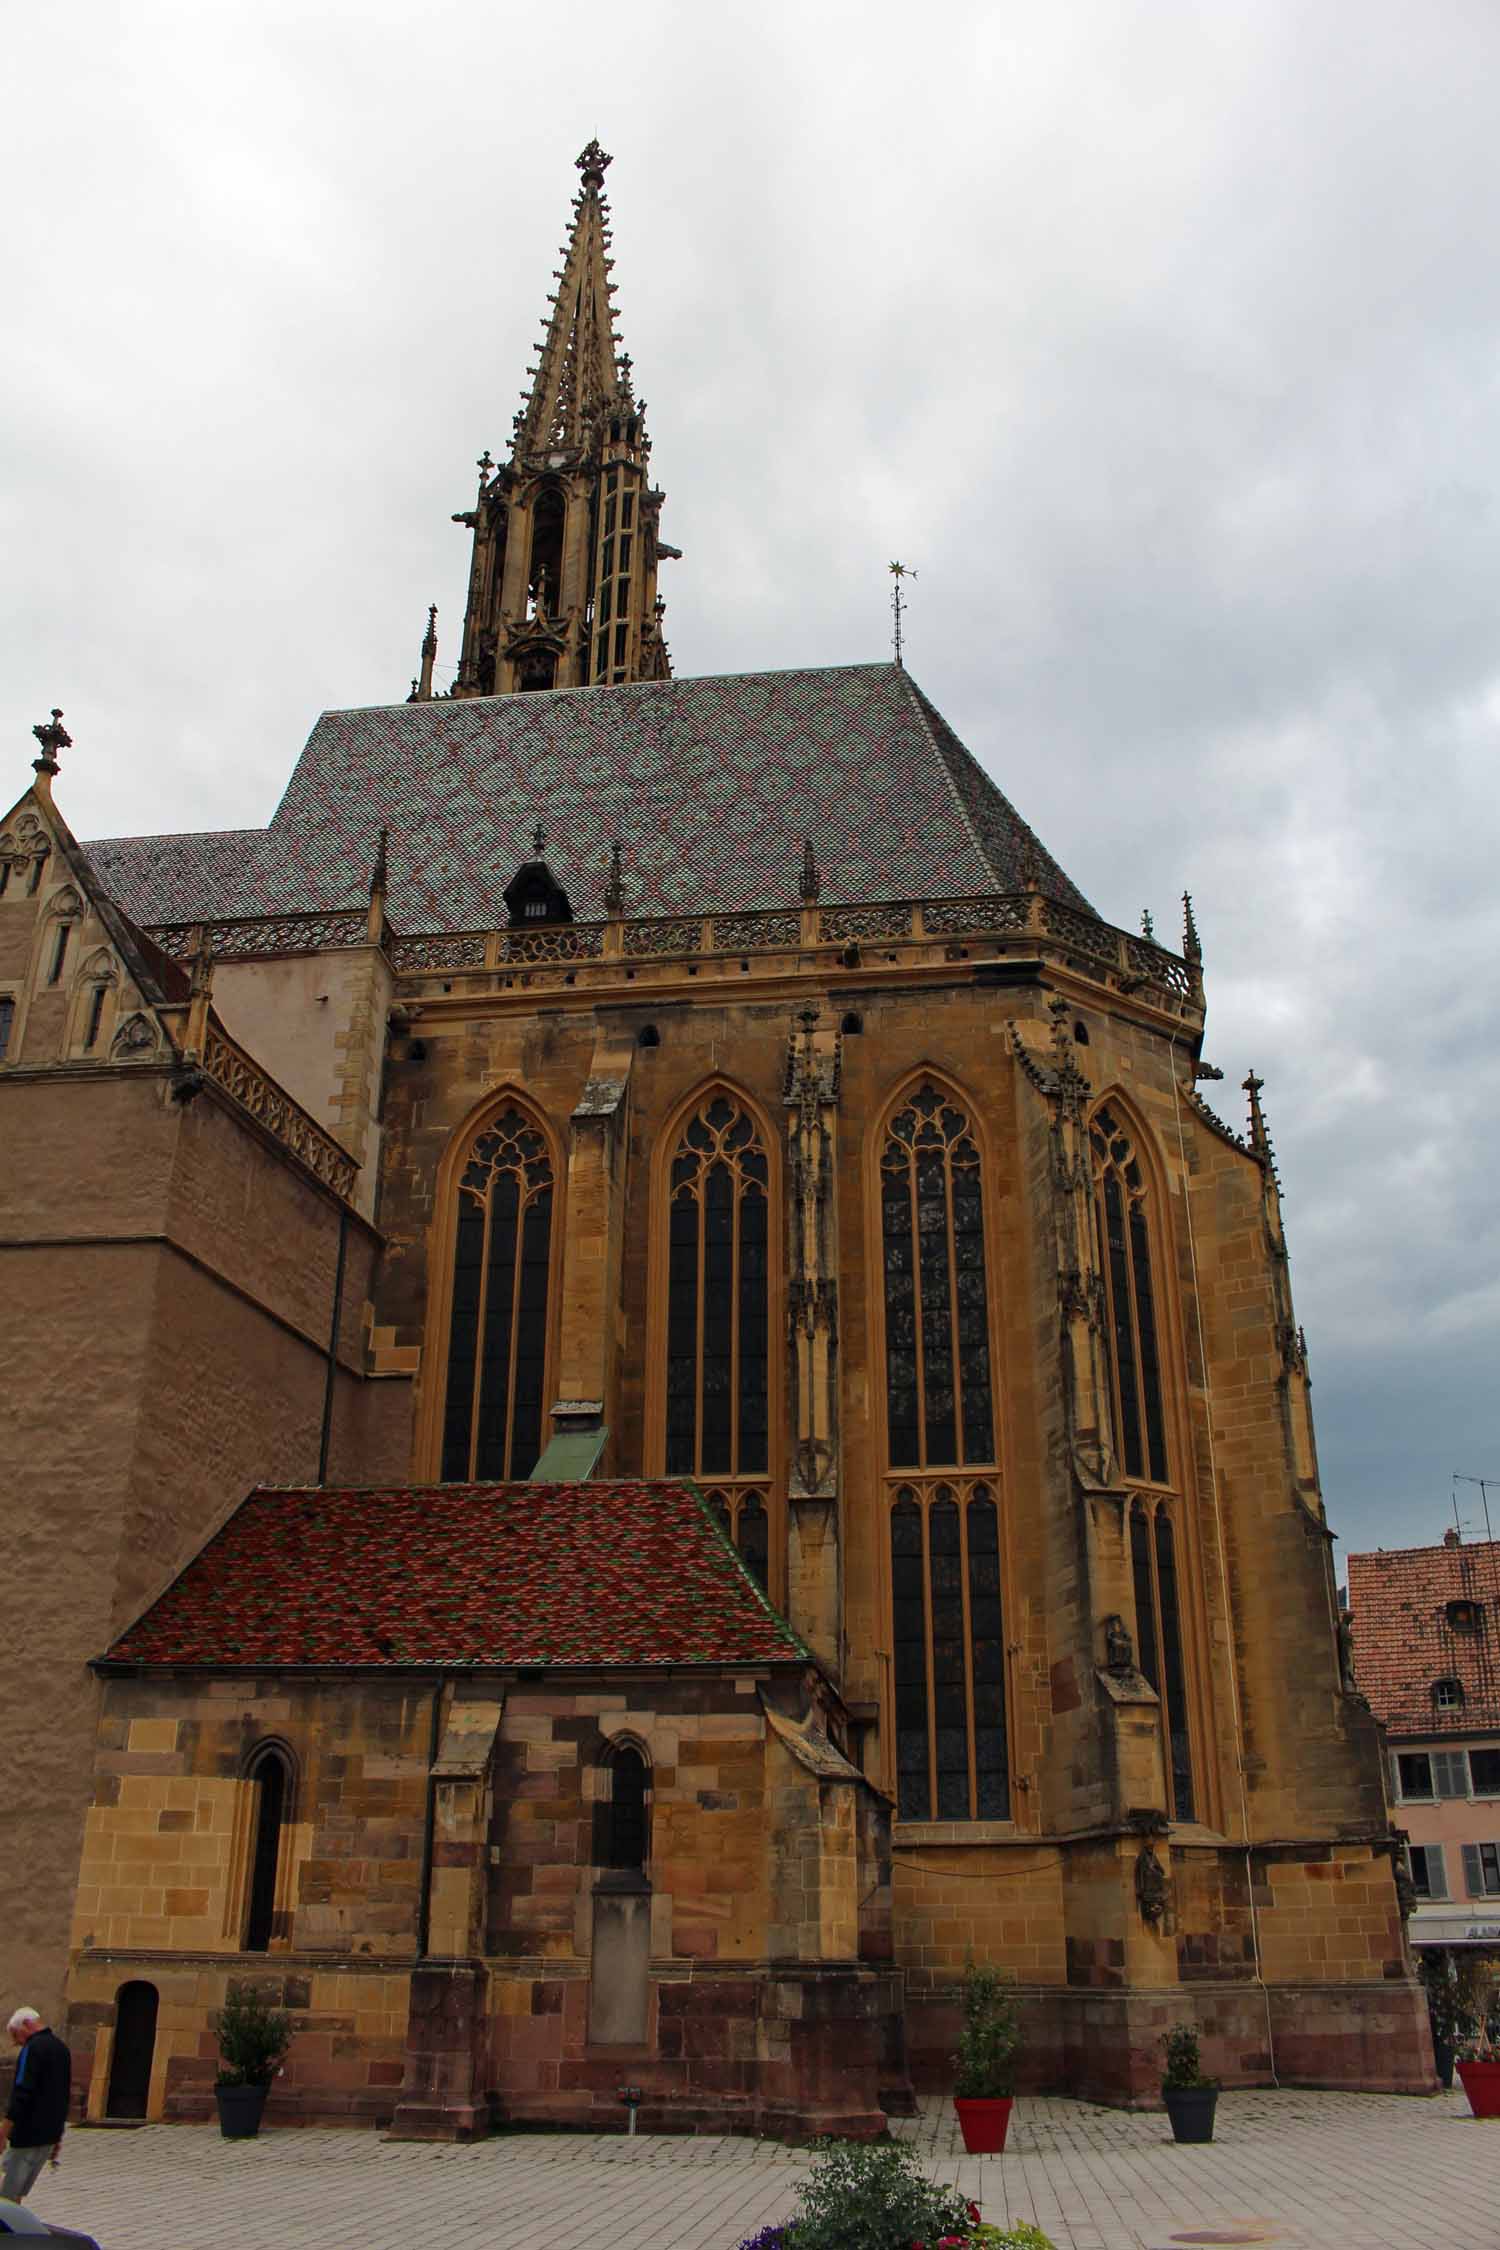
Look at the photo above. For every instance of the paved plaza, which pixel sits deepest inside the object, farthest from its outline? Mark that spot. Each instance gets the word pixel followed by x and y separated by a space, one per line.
pixel 1307 2171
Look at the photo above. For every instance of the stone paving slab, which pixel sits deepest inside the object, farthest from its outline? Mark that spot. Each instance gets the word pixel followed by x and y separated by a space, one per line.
pixel 1300 2170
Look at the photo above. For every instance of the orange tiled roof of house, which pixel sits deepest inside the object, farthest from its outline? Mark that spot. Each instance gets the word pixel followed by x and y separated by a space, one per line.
pixel 1412 1629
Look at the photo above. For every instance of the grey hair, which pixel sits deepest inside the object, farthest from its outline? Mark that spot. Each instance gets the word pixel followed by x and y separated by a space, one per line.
pixel 24 2019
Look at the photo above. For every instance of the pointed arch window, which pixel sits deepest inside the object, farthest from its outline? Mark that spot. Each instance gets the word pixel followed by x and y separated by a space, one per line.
pixel 718 1296
pixel 269 1774
pixel 1124 1245
pixel 951 1753
pixel 940 1407
pixel 1158 1621
pixel 497 1334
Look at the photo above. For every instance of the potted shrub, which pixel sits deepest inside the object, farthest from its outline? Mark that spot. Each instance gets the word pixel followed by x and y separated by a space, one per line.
pixel 1479 2068
pixel 984 2081
pixel 1190 2098
pixel 253 2036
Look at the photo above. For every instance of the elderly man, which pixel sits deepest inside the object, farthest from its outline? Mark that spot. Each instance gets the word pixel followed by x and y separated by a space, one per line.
pixel 33 2124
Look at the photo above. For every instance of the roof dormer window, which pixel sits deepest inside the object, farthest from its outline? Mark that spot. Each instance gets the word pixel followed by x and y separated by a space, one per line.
pixel 1447 1694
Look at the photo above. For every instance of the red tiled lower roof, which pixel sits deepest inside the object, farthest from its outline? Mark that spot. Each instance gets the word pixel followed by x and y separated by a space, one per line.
pixel 462 1574
pixel 1404 1640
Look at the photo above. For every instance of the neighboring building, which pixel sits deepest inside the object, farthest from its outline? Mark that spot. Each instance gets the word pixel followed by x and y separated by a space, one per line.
pixel 778 1443
pixel 1426 1631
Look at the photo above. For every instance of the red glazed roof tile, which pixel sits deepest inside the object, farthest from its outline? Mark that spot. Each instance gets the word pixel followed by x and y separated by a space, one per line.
pixel 1405 1640
pixel 457 1574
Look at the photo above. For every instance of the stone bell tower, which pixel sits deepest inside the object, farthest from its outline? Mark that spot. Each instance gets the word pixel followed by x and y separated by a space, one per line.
pixel 562 585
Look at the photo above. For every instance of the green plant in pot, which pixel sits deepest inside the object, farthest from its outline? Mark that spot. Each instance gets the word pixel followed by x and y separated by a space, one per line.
pixel 984 2080
pixel 252 2039
pixel 1450 2008
pixel 1190 2098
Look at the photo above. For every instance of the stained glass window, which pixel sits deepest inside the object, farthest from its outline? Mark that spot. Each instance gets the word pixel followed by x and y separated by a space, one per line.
pixel 718 1297
pixel 497 1338
pixel 1124 1238
pixel 939 1392
pixel 948 1655
pixel 1158 1628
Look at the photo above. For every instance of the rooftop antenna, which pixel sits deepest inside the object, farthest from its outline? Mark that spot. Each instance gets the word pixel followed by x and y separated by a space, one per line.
pixel 899 572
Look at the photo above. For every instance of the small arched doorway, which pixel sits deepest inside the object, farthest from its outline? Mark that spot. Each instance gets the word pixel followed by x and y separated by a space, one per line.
pixel 134 2050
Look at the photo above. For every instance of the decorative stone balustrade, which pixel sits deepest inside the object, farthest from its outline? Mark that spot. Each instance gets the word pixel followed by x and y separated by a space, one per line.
pixel 1135 962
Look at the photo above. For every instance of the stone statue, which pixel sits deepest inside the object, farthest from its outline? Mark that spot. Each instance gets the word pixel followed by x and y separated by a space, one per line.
pixel 1119 1649
pixel 1151 1886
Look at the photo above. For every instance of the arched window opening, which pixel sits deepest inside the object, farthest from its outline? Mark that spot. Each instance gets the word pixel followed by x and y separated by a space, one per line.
pixel 718 1296
pixel 133 2050
pixel 536 671
pixel 38 869
pixel 1158 1625
pixel 1124 1248
pixel 7 1023
pixel 743 1517
pixel 622 1827
pixel 939 1397
pixel 544 579
pixel 271 1781
pixel 948 1655
pixel 59 953
pixel 497 1336
pixel 648 1036
pixel 852 1025
pixel 95 1015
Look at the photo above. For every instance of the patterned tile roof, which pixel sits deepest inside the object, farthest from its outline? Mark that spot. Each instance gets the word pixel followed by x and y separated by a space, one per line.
pixel 712 786
pixel 533 1574
pixel 1404 1639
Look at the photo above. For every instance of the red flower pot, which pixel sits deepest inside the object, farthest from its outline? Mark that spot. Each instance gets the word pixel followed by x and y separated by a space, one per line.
pixel 1482 2085
pixel 984 2124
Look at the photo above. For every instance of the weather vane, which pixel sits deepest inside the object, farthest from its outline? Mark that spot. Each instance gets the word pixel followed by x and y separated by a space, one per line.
pixel 898 571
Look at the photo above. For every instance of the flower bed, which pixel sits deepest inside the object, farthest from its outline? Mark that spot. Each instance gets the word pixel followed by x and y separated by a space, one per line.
pixel 862 2195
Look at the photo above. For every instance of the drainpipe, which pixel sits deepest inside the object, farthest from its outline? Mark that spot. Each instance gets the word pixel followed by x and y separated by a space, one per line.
pixel 331 1369
pixel 429 1824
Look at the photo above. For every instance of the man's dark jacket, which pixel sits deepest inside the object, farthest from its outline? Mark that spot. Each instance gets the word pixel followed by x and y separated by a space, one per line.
pixel 39 2099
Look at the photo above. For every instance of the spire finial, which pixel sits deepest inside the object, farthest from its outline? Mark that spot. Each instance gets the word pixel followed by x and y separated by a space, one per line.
pixel 1031 864
pixel 1148 927
pixel 900 573
pixel 1191 949
pixel 1260 1139
pixel 614 890
pixel 538 839
pixel 593 164
pixel 201 974
pixel 52 739
pixel 421 689
pixel 378 873
pixel 811 882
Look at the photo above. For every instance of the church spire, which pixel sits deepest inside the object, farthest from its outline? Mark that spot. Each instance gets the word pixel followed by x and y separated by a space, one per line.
pixel 562 584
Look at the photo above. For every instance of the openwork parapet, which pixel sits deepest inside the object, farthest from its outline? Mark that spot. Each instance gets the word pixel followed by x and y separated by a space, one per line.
pixel 260 1096
pixel 246 941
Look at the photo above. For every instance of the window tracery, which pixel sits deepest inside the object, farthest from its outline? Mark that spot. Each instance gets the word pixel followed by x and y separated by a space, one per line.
pixel 947 1632
pixel 718 1296
pixel 939 1390
pixel 497 1334
pixel 1124 1245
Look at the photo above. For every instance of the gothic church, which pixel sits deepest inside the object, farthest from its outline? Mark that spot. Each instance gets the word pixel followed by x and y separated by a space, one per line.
pixel 646 1409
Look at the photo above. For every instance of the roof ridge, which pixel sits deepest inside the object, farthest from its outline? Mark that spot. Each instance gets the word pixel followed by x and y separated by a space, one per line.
pixel 947 743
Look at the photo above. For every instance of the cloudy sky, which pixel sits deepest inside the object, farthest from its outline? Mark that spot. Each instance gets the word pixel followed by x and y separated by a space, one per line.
pixel 1162 339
